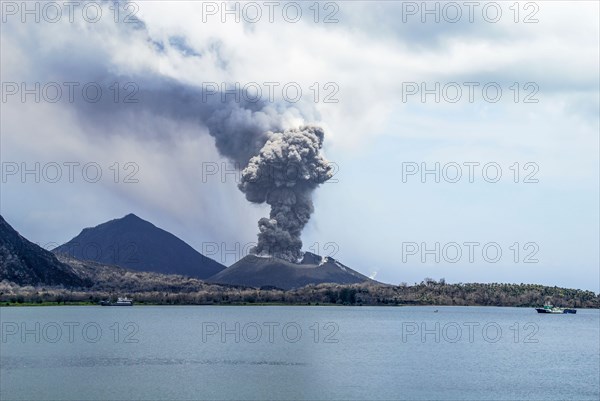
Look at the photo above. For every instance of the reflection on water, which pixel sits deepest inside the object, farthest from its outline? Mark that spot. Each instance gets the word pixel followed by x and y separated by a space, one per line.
pixel 10 363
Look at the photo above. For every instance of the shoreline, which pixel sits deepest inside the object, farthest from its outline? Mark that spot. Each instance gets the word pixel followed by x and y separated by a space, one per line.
pixel 315 304
pixel 148 292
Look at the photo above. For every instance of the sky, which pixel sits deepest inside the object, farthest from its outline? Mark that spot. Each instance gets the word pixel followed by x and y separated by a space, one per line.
pixel 464 141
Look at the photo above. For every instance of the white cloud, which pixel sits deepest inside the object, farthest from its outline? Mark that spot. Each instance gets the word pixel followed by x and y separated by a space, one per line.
pixel 369 55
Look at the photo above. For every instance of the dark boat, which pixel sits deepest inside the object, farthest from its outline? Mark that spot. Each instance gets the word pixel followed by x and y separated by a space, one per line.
pixel 555 310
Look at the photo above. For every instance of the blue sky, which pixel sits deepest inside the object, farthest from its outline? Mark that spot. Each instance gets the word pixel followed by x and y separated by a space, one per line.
pixel 369 218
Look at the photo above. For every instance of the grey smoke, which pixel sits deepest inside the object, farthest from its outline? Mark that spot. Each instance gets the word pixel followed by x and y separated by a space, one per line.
pixel 238 128
pixel 283 174
pixel 282 166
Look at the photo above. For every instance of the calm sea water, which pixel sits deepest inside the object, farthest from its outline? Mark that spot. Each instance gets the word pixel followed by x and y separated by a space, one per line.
pixel 324 353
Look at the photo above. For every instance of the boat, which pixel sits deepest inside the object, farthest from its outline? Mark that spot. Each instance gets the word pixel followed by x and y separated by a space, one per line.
pixel 555 310
pixel 124 302
pixel 120 302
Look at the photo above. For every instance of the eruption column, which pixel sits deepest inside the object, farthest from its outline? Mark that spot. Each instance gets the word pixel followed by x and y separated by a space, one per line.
pixel 283 174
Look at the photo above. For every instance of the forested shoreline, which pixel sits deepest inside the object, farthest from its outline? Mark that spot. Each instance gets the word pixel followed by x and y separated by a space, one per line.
pixel 146 288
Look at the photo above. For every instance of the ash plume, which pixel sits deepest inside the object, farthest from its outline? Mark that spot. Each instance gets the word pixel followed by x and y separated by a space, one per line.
pixel 283 174
pixel 281 166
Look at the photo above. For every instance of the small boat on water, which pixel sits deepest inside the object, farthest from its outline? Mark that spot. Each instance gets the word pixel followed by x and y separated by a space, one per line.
pixel 120 302
pixel 124 302
pixel 555 310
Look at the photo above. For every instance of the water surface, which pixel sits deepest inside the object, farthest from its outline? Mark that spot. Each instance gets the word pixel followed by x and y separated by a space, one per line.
pixel 278 352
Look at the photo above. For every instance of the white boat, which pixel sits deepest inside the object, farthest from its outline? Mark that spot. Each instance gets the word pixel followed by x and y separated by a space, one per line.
pixel 124 302
pixel 120 302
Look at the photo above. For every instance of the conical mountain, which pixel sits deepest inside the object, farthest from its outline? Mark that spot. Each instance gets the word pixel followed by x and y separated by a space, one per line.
pixel 259 271
pixel 137 244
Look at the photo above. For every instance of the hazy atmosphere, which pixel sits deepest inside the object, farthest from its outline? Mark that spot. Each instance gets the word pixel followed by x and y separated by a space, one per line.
pixel 300 200
pixel 462 131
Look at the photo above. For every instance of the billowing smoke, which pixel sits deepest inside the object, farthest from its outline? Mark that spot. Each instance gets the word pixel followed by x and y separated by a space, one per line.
pixel 283 174
pixel 282 166
pixel 279 168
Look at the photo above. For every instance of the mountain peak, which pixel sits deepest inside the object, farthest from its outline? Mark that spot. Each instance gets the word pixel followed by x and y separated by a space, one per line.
pixel 134 243
pixel 256 271
pixel 130 216
pixel 131 219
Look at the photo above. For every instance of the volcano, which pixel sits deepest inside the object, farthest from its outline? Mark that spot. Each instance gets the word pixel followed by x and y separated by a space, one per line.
pixel 133 243
pixel 268 271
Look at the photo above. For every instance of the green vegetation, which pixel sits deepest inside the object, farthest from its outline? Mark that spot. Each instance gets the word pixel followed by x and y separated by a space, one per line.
pixel 177 290
pixel 46 303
